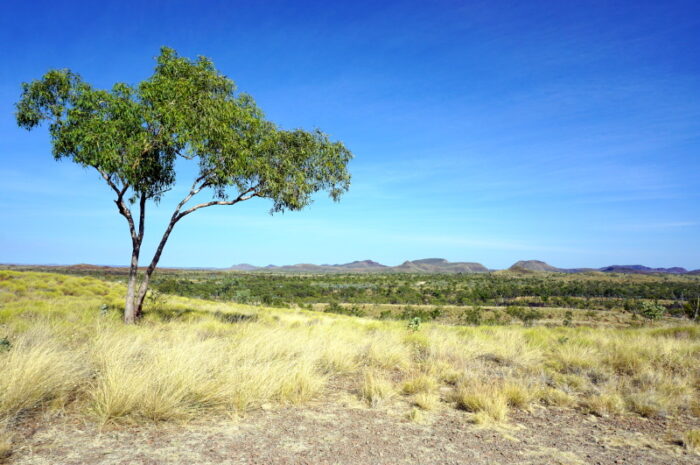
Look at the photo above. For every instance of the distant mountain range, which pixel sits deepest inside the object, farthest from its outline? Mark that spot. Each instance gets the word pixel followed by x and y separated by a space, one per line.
pixel 440 265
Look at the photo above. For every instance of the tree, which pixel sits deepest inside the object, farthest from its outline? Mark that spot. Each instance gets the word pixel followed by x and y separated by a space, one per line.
pixel 133 135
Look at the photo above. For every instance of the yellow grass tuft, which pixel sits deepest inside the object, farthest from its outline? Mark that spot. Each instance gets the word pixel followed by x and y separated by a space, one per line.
pixel 518 394
pixel 691 440
pixel 486 400
pixel 376 388
pixel 426 401
pixel 420 383
pixel 36 372
pixel 604 404
pixel 416 415
pixel 5 445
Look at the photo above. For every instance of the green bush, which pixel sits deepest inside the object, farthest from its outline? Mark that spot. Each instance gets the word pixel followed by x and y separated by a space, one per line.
pixel 652 310
pixel 472 316
pixel 414 324
pixel 527 316
pixel 568 318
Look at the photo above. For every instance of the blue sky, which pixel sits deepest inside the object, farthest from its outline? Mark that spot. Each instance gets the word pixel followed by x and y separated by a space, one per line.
pixel 483 131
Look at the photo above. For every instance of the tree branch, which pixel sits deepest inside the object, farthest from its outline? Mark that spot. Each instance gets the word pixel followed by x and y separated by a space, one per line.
pixel 142 215
pixel 242 197
pixel 123 209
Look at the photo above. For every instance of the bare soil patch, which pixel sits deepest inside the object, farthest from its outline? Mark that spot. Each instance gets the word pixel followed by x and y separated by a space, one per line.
pixel 345 432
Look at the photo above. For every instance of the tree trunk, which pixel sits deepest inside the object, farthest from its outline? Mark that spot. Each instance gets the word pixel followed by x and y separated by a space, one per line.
pixel 130 308
pixel 138 300
pixel 143 288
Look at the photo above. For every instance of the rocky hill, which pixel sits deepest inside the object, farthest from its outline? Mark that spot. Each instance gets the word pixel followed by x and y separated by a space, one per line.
pixel 532 265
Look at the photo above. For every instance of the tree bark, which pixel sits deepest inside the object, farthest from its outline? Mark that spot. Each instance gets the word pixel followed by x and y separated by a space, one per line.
pixel 143 289
pixel 131 309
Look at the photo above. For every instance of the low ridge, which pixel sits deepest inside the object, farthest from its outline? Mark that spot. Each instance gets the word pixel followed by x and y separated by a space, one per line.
pixel 532 265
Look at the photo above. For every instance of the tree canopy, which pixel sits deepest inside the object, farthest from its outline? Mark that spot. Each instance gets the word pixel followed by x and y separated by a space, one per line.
pixel 134 134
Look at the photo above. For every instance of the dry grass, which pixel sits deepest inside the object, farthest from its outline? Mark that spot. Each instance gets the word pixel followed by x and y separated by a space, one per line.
pixel 5 444
pixel 604 404
pixel 486 401
pixel 37 372
pixel 691 440
pixel 421 383
pixel 426 401
pixel 376 388
pixel 416 415
pixel 187 361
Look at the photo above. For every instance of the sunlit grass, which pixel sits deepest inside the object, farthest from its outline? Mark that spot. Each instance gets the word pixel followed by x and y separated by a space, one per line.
pixel 190 358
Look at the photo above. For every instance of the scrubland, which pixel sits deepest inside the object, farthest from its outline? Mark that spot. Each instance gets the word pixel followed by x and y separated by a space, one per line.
pixel 63 349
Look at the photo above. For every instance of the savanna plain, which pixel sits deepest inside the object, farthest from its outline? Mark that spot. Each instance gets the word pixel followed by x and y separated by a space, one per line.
pixel 258 368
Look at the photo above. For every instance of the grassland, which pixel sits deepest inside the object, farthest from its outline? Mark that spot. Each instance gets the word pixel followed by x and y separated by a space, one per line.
pixel 64 351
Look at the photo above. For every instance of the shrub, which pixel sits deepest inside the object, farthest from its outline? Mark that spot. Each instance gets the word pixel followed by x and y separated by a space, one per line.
pixel 568 318
pixel 353 310
pixel 527 316
pixel 414 324
pixel 652 310
pixel 472 316
pixel 692 308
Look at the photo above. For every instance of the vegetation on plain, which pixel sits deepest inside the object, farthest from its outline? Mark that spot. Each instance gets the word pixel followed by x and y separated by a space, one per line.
pixel 67 350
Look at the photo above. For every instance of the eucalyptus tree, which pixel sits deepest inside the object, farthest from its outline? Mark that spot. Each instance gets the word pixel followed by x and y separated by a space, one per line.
pixel 132 135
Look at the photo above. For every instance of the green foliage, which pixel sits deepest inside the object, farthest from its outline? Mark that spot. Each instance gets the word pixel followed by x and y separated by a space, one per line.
pixel 409 312
pixel 414 324
pixel 352 310
pixel 568 318
pixel 334 307
pixel 527 316
pixel 472 315
pixel 134 134
pixel 434 289
pixel 692 308
pixel 410 290
pixel 652 310
pixel 5 344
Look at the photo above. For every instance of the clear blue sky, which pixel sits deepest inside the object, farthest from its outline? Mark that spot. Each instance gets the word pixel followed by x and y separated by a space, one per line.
pixel 483 131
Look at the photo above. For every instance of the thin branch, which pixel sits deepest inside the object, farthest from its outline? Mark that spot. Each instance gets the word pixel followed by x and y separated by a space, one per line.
pixel 177 216
pixel 240 198
pixel 123 209
pixel 142 215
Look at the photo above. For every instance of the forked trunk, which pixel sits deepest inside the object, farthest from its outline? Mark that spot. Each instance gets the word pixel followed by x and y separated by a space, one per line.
pixel 131 309
pixel 143 287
